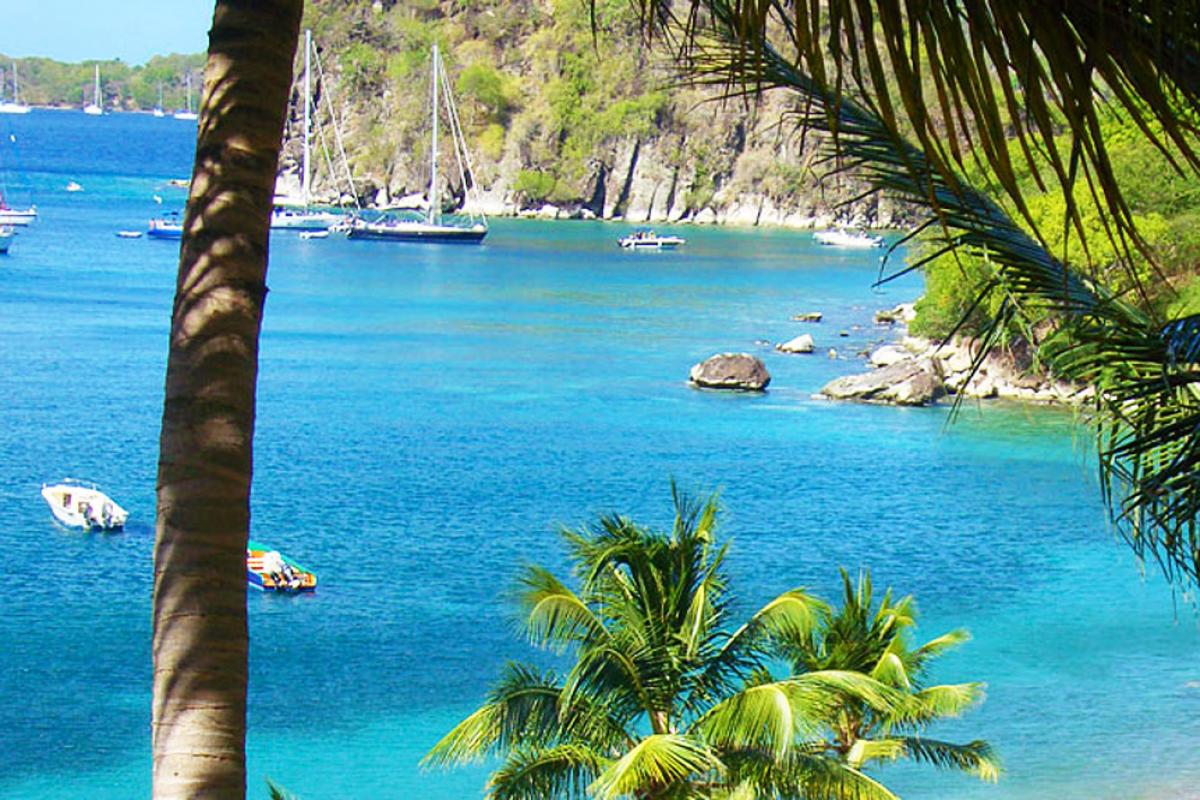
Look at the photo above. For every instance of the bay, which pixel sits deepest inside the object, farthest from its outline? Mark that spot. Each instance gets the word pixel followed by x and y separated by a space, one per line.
pixel 428 416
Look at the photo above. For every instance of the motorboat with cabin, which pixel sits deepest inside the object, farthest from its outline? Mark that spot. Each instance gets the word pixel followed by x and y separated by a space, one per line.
pixel 168 226
pixel 268 570
pixel 842 237
pixel 79 504
pixel 647 239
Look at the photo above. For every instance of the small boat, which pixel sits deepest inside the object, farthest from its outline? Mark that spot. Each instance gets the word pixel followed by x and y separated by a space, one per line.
pixel 16 216
pixel 158 109
pixel 74 187
pixel 646 239
pixel 129 234
pixel 168 226
pixel 304 219
pixel 314 234
pixel 187 114
pixel 94 109
pixel 847 238
pixel 77 504
pixel 268 570
pixel 6 237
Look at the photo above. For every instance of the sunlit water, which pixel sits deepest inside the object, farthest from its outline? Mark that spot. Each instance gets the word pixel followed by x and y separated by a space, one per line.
pixel 429 415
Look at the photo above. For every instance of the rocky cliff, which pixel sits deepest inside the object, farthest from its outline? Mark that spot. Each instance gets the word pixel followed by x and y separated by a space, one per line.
pixel 560 122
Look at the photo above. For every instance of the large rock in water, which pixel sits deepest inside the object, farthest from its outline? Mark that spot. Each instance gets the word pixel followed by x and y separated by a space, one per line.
pixel 906 383
pixel 740 371
pixel 801 344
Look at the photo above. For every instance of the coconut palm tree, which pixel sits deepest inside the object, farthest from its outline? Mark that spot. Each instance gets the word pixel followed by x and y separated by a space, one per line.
pixel 664 698
pixel 205 457
pixel 910 95
pixel 875 640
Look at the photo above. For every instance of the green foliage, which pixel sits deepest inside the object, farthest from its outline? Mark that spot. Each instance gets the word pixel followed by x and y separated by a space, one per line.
pixel 1166 209
pixel 667 696
pixel 491 142
pixel 47 82
pixel 483 84
pixel 534 185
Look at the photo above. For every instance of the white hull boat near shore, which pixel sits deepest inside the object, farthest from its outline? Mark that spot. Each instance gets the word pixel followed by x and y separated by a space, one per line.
pixel 844 238
pixel 649 240
pixel 82 505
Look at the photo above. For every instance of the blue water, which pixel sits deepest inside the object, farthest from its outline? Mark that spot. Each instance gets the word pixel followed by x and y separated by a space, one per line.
pixel 429 415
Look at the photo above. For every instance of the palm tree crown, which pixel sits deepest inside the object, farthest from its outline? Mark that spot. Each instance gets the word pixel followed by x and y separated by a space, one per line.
pixel 664 698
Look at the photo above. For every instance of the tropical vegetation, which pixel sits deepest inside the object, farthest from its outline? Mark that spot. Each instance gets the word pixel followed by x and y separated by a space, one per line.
pixel 46 82
pixel 913 96
pixel 667 696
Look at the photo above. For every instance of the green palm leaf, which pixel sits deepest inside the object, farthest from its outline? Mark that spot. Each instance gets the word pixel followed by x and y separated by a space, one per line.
pixel 976 758
pixel 656 762
pixel 565 770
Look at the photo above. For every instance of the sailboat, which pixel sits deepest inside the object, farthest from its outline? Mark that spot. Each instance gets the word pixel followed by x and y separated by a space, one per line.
pixel 14 106
pixel 188 114
pixel 305 218
pixel 93 108
pixel 158 109
pixel 433 227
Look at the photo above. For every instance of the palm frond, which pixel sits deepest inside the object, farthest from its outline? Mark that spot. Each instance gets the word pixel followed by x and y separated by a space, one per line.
pixel 975 758
pixel 656 762
pixel 864 751
pixel 770 716
pixel 562 771
pixel 555 616
pixel 937 702
pixel 526 708
pixel 805 771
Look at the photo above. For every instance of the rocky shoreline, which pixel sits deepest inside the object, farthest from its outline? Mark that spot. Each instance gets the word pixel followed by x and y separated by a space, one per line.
pixel 919 372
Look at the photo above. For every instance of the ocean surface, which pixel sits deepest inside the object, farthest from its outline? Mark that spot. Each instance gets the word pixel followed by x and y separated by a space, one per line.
pixel 429 416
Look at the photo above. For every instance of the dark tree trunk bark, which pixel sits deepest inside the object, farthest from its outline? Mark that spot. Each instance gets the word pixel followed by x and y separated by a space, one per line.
pixel 205 449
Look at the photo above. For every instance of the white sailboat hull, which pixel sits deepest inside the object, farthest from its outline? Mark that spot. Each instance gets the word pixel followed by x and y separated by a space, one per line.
pixel 14 108
pixel 17 216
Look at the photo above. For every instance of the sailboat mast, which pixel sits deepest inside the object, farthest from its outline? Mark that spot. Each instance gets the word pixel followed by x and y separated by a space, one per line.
pixel 304 176
pixel 16 90
pixel 96 94
pixel 434 206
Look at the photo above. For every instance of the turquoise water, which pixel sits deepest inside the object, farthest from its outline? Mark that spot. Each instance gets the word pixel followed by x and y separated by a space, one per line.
pixel 428 416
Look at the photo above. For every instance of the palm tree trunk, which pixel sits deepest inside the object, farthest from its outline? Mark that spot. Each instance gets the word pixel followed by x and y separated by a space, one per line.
pixel 205 457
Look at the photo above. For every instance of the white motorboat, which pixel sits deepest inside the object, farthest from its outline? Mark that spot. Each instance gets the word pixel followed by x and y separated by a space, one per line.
pixel 304 219
pixel 129 234
pixel 847 238
pixel 646 239
pixel 74 187
pixel 77 504
pixel 314 234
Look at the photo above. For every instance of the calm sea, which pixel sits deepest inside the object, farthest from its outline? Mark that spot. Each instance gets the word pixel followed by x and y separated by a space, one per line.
pixel 429 415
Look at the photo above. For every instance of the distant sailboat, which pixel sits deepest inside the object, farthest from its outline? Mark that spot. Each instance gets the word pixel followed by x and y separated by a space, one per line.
pixel 305 218
pixel 433 228
pixel 158 109
pixel 14 106
pixel 94 108
pixel 188 114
